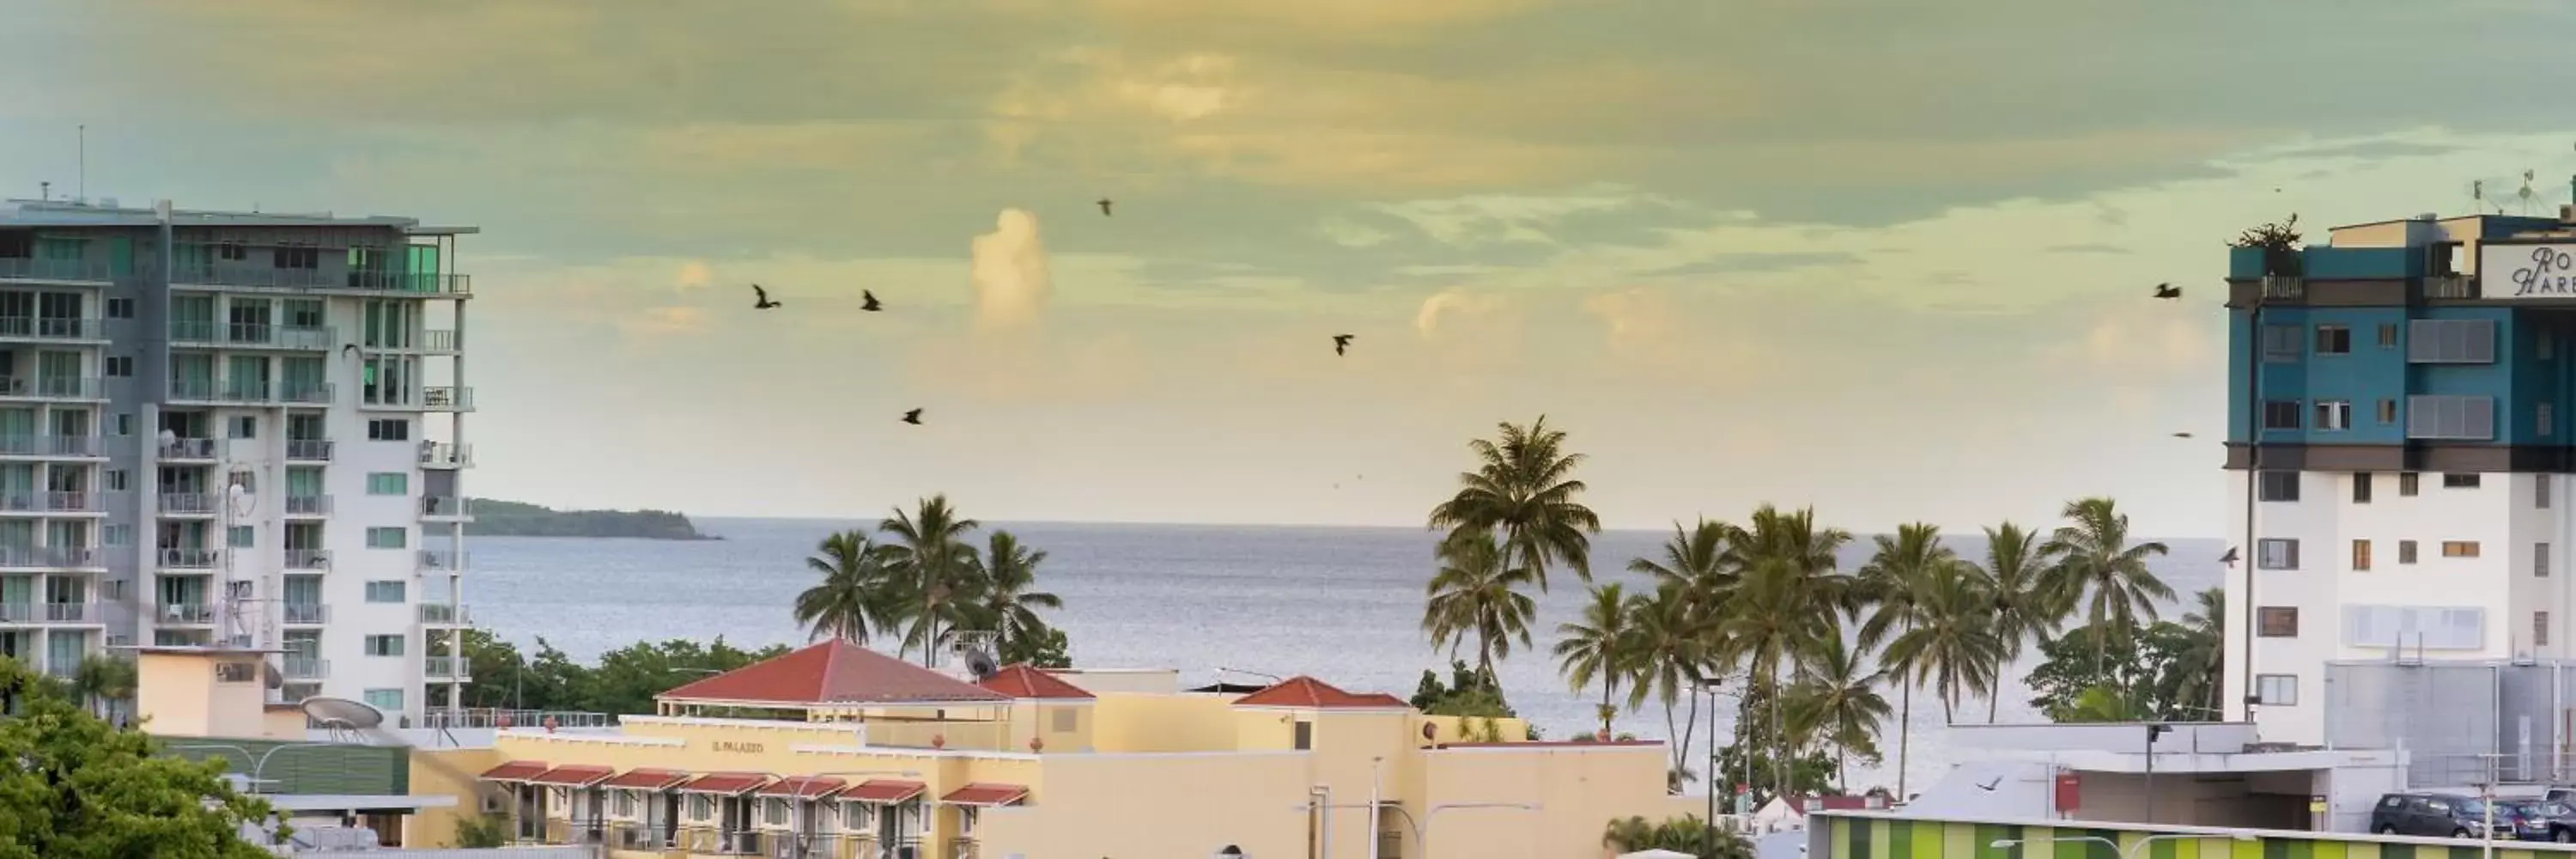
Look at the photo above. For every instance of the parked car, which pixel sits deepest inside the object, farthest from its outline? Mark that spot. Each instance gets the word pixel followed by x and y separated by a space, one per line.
pixel 2539 820
pixel 2437 815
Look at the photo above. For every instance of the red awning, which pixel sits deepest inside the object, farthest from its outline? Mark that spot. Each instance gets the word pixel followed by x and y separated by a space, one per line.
pixel 649 779
pixel 515 771
pixel 729 784
pixel 883 790
pixel 577 775
pixel 804 787
pixel 986 794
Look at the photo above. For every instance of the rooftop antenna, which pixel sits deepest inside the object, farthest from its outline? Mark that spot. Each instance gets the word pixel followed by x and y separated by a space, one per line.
pixel 83 187
pixel 2525 193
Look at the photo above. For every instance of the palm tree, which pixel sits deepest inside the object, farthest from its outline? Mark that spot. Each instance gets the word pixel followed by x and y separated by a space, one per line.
pixel 2028 604
pixel 1600 647
pixel 851 600
pixel 1672 641
pixel 933 565
pixel 2204 661
pixel 2096 560
pixel 1953 643
pixel 1003 602
pixel 1477 594
pixel 1696 557
pixel 101 681
pixel 1523 486
pixel 1787 600
pixel 1892 584
pixel 1836 700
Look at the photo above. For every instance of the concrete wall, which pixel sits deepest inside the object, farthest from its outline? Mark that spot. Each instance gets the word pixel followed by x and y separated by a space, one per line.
pixel 1847 835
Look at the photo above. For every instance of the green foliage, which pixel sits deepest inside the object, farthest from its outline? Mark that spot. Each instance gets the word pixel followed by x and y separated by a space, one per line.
pixel 497 518
pixel 2146 675
pixel 1685 834
pixel 482 830
pixel 1468 693
pixel 1810 769
pixel 924 582
pixel 81 789
pixel 623 681
pixel 1044 648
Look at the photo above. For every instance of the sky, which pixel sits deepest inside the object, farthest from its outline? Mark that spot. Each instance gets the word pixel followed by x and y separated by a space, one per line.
pixel 1887 258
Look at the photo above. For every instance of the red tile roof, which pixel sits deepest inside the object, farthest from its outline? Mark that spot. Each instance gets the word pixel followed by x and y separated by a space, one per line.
pixel 575 775
pixel 1024 682
pixel 832 672
pixel 986 794
pixel 515 771
pixel 649 779
pixel 883 790
pixel 1306 692
pixel 804 787
pixel 729 784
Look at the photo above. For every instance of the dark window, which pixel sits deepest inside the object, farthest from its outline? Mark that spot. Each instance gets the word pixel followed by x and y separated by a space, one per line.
pixel 120 308
pixel 2276 554
pixel 2280 414
pixel 2281 343
pixel 2388 335
pixel 2278 485
pixel 2451 341
pixel 2406 551
pixel 389 429
pixel 2277 621
pixel 232 251
pixel 2334 415
pixel 120 366
pixel 2361 488
pixel 17 244
pixel 2333 340
pixel 2388 411
pixel 303 257
pixel 1305 735
pixel 2406 483
pixel 2459 481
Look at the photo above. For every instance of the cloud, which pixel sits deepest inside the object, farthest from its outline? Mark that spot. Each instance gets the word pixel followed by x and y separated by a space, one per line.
pixel 667 321
pixel 1451 304
pixel 694 274
pixel 1009 272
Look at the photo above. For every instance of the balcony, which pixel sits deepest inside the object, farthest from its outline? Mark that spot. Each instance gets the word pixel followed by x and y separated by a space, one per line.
pixel 248 392
pixel 56 270
pixel 442 614
pixel 187 613
pixel 19 612
pixel 191 559
pixel 306 668
pixel 76 502
pixel 187 448
pixel 445 668
pixel 447 398
pixel 187 504
pixel 50 557
pixel 442 559
pixel 52 387
pixel 260 272
pixel 2450 286
pixel 73 612
pixel 50 445
pixel 308 559
pixel 308 505
pixel 306 613
pixel 444 508
pixel 441 340
pixel 438 454
pixel 247 335
pixel 50 328
pixel 308 450
pixel 2284 288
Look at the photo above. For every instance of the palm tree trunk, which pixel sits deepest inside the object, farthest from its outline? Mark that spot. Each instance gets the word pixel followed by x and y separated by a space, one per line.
pixel 1671 731
pixel 1780 736
pixel 1904 729
pixel 1993 700
pixel 1605 705
pixel 1690 729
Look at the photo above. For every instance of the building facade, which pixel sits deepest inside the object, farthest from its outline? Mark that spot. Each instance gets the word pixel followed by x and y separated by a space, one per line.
pixel 239 430
pixel 2398 449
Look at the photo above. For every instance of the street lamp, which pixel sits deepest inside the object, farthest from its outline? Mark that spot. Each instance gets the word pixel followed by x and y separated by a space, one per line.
pixel 1421 828
pixel 2130 852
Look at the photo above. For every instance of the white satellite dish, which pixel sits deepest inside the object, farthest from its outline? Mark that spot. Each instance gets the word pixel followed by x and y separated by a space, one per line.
pixel 339 714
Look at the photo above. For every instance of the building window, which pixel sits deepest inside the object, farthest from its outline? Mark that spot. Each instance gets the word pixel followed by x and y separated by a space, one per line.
pixel 2276 622
pixel 2361 555
pixel 240 536
pixel 701 806
pixel 384 645
pixel 2540 629
pixel 774 812
pixel 2281 343
pixel 125 423
pixel 120 366
pixel 116 535
pixel 388 483
pixel 2334 414
pixel 2451 341
pixel 2278 486
pixel 2276 690
pixel 386 590
pixel 245 426
pixel 2406 551
pixel 2406 483
pixel 857 817
pixel 2446 416
pixel 2361 488
pixel 2460 481
pixel 2280 414
pixel 1305 738
pixel 2273 553
pixel 2542 421
pixel 2459 548
pixel 2540 560
pixel 2387 411
pixel 387 538
pixel 388 700
pixel 298 257
pixel 389 429
pixel 2540 491
pixel 120 308
pixel 2388 335
pixel 114 479
pixel 2333 340
pixel 626 803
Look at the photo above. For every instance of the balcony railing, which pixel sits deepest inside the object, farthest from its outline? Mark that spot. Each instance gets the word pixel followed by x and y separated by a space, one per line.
pixel 261 273
pixel 52 387
pixel 187 504
pixel 19 612
pixel 186 612
pixel 33 268
pixel 308 505
pixel 442 559
pixel 254 334
pixel 441 340
pixel 443 507
pixel 51 328
pixel 447 398
pixel 188 448
pixel 442 614
pixel 439 454
pixel 307 613
pixel 307 668
pixel 191 559
pixel 2450 286
pixel 72 612
pixel 313 394
pixel 19 502
pixel 443 667
pixel 49 557
pixel 308 559
pixel 49 445
pixel 308 449
pixel 2285 287
pixel 75 502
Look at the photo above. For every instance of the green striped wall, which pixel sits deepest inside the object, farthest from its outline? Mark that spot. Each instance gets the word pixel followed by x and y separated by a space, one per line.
pixel 339 768
pixel 1879 838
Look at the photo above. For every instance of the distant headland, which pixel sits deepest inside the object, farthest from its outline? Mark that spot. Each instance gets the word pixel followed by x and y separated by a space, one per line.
pixel 496 518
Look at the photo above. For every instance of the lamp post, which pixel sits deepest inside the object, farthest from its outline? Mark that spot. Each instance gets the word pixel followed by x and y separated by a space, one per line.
pixel 2129 852
pixel 1421 828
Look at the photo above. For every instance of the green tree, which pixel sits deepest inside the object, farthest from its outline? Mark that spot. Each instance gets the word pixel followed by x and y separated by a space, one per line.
pixel 1524 489
pixel 1753 760
pixel 2203 664
pixel 1468 693
pixel 933 568
pixel 1685 834
pixel 851 600
pixel 1836 703
pixel 2097 559
pixel 1004 599
pixel 1043 648
pixel 103 681
pixel 482 831
pixel 627 679
pixel 1892 585
pixel 2148 670
pixel 1600 647
pixel 1954 647
pixel 1788 599
pixel 1476 595
pixel 1671 640
pixel 81 789
pixel 2028 604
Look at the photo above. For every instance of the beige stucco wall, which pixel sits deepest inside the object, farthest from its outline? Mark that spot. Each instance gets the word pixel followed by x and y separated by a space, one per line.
pixel 1181 804
pixel 1580 789
pixel 1125 722
pixel 446 772
pixel 176 694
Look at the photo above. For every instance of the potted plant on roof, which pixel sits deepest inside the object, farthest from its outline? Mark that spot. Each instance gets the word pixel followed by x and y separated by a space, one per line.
pixel 2279 241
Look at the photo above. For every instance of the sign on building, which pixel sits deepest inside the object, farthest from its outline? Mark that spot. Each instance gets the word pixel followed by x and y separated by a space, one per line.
pixel 2527 271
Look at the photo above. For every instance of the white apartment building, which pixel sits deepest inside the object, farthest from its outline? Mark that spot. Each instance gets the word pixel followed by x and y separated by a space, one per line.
pixel 236 429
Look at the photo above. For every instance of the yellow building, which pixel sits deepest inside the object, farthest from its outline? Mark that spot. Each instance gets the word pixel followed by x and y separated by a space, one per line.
pixel 869 756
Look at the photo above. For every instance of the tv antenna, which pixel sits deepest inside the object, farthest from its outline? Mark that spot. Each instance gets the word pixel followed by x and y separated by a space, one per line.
pixel 2525 193
pixel 83 187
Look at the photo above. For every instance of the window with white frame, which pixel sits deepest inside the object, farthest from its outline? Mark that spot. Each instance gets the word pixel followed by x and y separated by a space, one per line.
pixel 2276 690
pixel 625 803
pixel 2334 414
pixel 701 806
pixel 2411 626
pixel 2275 553
pixel 774 811
pixel 857 817
pixel 2276 485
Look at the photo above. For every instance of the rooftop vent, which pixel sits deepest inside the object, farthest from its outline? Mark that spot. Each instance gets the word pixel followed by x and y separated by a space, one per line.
pixel 2428 216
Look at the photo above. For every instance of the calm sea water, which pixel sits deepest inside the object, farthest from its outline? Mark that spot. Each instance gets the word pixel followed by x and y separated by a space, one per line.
pixel 1342 604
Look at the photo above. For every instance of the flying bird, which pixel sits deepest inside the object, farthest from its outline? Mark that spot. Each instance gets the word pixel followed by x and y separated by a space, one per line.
pixel 2230 557
pixel 868 302
pixel 1104 207
pixel 1989 786
pixel 2182 435
pixel 761 301
pixel 1342 343
pixel 2168 291
pixel 912 417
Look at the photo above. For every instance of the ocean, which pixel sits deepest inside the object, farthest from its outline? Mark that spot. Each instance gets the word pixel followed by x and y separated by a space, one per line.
pixel 1341 604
